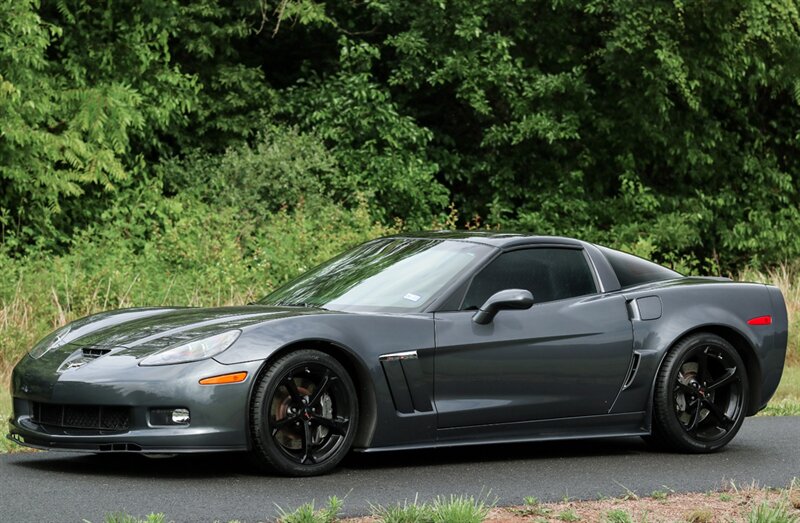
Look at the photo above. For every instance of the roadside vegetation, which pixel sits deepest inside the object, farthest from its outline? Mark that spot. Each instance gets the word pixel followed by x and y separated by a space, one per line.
pixel 732 504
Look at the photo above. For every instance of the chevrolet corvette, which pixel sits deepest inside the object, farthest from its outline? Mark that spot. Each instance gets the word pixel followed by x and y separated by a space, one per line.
pixel 413 341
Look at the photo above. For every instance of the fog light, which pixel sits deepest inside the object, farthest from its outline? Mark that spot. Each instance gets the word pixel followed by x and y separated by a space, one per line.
pixel 161 417
pixel 180 416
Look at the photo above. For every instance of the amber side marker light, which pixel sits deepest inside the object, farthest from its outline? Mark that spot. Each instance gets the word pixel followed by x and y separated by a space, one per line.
pixel 760 320
pixel 235 377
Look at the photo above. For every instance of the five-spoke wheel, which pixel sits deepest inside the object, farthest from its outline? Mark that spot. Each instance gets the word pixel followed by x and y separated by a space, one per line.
pixel 700 396
pixel 304 414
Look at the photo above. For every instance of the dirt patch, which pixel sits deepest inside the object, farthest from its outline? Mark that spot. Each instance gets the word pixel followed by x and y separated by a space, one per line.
pixel 732 505
pixel 711 507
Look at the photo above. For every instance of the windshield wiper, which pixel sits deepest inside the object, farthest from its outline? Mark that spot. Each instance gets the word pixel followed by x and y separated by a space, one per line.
pixel 305 305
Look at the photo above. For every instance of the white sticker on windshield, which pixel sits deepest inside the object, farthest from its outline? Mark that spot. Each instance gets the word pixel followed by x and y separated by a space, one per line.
pixel 411 297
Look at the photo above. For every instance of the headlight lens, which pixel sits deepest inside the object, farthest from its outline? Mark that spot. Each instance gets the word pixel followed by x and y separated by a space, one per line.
pixel 195 350
pixel 52 341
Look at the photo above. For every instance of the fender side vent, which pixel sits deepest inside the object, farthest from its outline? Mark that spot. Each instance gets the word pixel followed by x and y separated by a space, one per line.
pixel 632 372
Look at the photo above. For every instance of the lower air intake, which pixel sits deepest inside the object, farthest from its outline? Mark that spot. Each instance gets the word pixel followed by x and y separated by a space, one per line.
pixel 82 416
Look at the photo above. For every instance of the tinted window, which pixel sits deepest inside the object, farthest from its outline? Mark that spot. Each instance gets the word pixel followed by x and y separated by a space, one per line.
pixel 550 274
pixel 632 270
pixel 390 274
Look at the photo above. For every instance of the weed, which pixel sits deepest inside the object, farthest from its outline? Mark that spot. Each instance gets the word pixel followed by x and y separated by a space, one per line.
pixel 700 515
pixel 459 509
pixel 629 495
pixel 121 517
pixel 766 512
pixel 660 495
pixel 568 515
pixel 531 501
pixel 618 515
pixel 405 513
pixel 307 514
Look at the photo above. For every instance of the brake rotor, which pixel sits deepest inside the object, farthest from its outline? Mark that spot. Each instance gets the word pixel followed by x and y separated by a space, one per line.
pixel 686 376
pixel 291 437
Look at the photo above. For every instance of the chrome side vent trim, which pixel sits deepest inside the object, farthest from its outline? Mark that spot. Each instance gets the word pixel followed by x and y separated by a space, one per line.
pixel 398 356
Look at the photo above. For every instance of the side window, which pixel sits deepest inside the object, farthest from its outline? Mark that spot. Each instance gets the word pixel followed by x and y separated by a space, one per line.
pixel 549 273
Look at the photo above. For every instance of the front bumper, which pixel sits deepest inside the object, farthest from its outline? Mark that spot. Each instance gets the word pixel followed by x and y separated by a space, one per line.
pixel 219 413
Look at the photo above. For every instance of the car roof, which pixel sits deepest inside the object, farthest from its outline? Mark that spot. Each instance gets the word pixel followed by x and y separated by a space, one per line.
pixel 501 240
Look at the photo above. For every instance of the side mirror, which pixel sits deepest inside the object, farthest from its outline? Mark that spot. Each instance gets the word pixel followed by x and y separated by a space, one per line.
pixel 507 299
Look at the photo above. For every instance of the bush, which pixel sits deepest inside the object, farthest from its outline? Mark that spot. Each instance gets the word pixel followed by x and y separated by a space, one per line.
pixel 198 256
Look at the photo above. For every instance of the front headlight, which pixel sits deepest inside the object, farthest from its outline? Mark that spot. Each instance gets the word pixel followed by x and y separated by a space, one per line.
pixel 194 350
pixel 52 341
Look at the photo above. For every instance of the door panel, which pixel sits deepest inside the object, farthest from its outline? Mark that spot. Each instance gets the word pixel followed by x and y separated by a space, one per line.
pixel 557 359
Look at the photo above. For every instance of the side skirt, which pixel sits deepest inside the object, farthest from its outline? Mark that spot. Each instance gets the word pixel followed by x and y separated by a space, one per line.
pixel 584 427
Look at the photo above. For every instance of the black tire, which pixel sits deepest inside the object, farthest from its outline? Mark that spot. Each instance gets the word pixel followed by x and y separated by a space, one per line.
pixel 701 395
pixel 304 414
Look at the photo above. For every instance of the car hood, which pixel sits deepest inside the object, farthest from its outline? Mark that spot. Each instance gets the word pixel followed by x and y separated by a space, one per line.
pixel 142 331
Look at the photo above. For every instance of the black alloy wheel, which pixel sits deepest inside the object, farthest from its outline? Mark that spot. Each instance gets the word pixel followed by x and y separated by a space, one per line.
pixel 701 395
pixel 304 414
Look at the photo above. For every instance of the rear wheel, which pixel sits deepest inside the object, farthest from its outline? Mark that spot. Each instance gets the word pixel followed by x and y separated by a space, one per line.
pixel 701 393
pixel 304 414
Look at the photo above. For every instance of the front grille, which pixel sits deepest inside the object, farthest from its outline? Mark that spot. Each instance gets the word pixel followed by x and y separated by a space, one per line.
pixel 82 416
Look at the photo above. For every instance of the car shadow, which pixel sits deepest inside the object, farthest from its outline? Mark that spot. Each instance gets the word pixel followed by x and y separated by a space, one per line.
pixel 199 466
pixel 496 453
pixel 185 466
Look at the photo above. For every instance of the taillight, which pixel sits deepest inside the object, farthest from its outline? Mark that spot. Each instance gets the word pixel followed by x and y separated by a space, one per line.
pixel 760 320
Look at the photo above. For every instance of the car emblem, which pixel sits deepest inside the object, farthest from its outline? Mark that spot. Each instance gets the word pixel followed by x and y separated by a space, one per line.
pixel 25 389
pixel 75 364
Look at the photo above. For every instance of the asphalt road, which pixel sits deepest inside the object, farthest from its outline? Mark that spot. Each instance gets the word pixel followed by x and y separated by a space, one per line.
pixel 66 487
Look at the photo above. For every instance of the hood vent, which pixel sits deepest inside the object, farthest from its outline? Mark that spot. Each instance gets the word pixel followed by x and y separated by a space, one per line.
pixel 93 352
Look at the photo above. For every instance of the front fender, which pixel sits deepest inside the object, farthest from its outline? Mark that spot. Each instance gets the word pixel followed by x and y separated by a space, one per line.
pixel 364 337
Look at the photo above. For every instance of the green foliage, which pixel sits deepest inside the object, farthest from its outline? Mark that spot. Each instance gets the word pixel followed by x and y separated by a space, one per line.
pixel 568 515
pixel 777 512
pixel 382 151
pixel 459 509
pixel 56 137
pixel 660 495
pixel 307 514
pixel 199 256
pixel 617 515
pixel 281 170
pixel 665 128
pixel 121 517
pixel 455 509
pixel 405 513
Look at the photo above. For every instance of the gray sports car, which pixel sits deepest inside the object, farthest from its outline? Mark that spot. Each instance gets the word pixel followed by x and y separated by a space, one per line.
pixel 418 340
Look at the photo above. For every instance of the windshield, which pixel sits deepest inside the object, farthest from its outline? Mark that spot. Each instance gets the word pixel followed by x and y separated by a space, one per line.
pixel 390 274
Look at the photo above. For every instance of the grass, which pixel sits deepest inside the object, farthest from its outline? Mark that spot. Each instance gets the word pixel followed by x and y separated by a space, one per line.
pixel 568 515
pixel 453 509
pixel 121 517
pixel 772 512
pixel 5 413
pixel 307 514
pixel 786 401
pixel 405 513
pixel 617 515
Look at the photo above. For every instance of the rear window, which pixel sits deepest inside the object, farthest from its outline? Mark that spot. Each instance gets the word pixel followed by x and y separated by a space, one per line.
pixel 632 270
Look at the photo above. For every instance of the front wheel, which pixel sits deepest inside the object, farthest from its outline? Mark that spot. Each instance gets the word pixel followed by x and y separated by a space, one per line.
pixel 701 394
pixel 304 414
